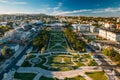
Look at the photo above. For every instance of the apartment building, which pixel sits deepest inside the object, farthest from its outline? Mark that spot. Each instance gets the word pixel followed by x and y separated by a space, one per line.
pixel 109 34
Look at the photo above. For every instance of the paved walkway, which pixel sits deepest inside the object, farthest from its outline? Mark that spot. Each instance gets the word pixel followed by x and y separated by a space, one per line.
pixel 8 61
pixel 38 76
pixel 58 74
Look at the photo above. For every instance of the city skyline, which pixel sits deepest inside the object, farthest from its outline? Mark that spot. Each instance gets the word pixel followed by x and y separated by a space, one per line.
pixel 62 7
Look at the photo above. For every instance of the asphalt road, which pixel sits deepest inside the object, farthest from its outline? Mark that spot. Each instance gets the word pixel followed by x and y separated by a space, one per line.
pixel 13 63
pixel 106 66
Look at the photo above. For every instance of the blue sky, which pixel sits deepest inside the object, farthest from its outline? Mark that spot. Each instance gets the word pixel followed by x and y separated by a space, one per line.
pixel 62 7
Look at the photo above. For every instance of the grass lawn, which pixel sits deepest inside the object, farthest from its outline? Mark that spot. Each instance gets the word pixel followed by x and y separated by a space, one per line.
pixel 92 63
pixel 58 47
pixel 46 78
pixel 86 56
pixel 26 64
pixel 56 62
pixel 79 64
pixel 1 59
pixel 41 63
pixel 59 62
pixel 75 78
pixel 31 56
pixel 24 76
pixel 57 37
pixel 97 75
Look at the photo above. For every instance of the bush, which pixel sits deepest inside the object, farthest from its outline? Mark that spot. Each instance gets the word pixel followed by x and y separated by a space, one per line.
pixel 26 64
pixel 92 63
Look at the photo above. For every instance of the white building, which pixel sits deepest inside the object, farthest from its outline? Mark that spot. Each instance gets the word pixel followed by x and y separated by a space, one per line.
pixel 55 24
pixel 81 27
pixel 109 25
pixel 84 28
pixel 3 23
pixel 13 46
pixel 94 29
pixel 110 35
pixel 102 33
pixel 25 35
pixel 10 34
pixel 118 19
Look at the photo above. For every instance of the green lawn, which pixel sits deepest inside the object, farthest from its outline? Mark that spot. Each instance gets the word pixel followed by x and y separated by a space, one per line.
pixel 57 37
pixel 1 59
pixel 92 63
pixel 86 56
pixel 46 78
pixel 75 78
pixel 26 64
pixel 56 62
pixel 24 76
pixel 41 63
pixel 97 75
pixel 79 64
pixel 59 62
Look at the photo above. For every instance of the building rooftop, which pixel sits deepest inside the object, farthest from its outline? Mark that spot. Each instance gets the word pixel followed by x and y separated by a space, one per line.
pixel 11 44
pixel 112 30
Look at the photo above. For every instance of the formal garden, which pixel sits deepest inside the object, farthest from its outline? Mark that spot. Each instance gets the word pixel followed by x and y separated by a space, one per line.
pixel 100 75
pixel 74 78
pixel 57 42
pixel 97 75
pixel 55 55
pixel 24 76
pixel 30 76
pixel 59 61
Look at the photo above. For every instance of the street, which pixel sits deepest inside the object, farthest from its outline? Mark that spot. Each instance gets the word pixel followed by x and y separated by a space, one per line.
pixel 14 61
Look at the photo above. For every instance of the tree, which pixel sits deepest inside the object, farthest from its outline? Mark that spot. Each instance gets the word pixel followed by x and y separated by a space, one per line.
pixel 65 78
pixel 109 51
pixel 41 39
pixel 42 50
pixel 105 51
pixel 55 78
pixel 9 52
pixel 117 57
pixel 28 55
pixel 3 51
pixel 6 51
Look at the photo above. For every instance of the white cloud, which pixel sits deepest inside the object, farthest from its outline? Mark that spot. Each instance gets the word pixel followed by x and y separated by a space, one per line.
pixel 58 11
pixel 70 12
pixel 3 1
pixel 112 10
pixel 12 2
pixel 91 11
pixel 19 3
pixel 58 6
pixel 107 10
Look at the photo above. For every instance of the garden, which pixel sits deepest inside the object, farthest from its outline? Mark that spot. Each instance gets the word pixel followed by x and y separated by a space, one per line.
pixel 59 62
pixel 24 76
pixel 97 75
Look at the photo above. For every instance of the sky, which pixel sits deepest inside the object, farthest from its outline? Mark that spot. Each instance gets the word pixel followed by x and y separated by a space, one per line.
pixel 62 7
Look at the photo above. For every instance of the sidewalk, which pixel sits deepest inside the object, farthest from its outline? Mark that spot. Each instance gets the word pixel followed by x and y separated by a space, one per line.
pixel 8 61
pixel 108 60
pixel 57 74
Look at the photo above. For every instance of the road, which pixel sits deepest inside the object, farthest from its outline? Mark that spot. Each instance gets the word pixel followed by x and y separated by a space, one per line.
pixel 107 66
pixel 14 61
